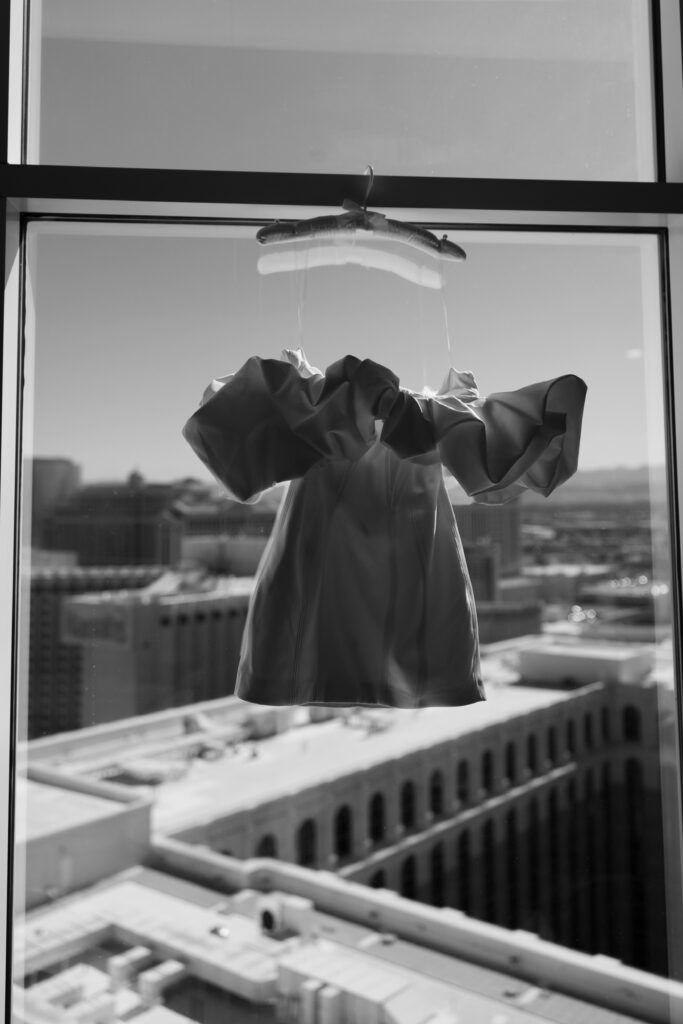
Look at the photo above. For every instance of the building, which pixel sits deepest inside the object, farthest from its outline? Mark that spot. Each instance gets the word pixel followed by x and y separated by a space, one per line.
pixel 560 582
pixel 570 664
pixel 539 809
pixel 174 642
pixel 227 537
pixel 497 526
pixel 203 942
pixel 55 693
pixel 502 620
pixel 52 481
pixel 123 523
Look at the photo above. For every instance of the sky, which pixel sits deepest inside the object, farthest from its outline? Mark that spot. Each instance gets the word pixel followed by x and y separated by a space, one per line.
pixel 130 324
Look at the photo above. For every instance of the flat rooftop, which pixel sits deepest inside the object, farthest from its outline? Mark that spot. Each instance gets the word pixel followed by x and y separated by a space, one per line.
pixel 43 809
pixel 281 765
pixel 413 982
pixel 173 588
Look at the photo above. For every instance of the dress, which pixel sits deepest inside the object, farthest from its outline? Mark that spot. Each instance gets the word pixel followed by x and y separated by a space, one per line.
pixel 363 595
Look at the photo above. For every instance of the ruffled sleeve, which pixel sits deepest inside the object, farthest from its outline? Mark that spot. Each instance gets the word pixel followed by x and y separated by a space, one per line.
pixel 498 446
pixel 241 431
pixel 276 418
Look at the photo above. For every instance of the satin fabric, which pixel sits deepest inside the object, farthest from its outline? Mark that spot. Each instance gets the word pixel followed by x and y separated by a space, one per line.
pixel 363 596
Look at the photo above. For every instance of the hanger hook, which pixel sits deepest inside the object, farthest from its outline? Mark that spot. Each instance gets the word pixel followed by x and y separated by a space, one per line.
pixel 371 171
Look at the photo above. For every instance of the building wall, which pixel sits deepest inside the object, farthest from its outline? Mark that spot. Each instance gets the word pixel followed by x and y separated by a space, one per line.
pixel 501 620
pixel 547 835
pixel 126 523
pixel 177 652
pixel 53 481
pixel 497 525
pixel 69 859
pixel 55 690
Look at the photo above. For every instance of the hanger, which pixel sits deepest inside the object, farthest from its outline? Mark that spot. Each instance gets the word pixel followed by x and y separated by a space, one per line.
pixel 342 230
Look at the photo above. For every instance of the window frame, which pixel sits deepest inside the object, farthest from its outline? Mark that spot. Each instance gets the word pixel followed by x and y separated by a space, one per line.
pixel 251 198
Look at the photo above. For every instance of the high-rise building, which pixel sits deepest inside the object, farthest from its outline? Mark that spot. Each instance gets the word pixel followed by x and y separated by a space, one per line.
pixel 55 669
pixel 52 482
pixel 124 523
pixel 172 643
pixel 495 525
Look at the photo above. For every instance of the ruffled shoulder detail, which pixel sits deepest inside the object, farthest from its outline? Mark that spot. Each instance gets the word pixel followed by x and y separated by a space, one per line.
pixel 460 384
pixel 296 357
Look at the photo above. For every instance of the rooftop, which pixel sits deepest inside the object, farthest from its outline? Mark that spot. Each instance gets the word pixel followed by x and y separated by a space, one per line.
pixel 43 809
pixel 567 569
pixel 171 587
pixel 337 749
pixel 221 938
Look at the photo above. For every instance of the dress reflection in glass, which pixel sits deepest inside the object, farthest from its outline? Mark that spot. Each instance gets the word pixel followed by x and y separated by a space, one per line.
pixel 363 596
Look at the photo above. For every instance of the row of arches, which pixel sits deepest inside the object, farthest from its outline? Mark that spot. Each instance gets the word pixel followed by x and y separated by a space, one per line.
pixel 558 871
pixel 520 761
pixel 514 763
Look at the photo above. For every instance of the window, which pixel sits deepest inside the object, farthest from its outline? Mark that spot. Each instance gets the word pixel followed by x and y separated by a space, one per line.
pixel 462 783
pixel 578 73
pixel 631 724
pixel 376 824
pixel 487 771
pixel 343 831
pixel 408 804
pixel 547 139
pixel 409 878
pixel 306 843
pixel 510 763
pixel 266 846
pixel 436 793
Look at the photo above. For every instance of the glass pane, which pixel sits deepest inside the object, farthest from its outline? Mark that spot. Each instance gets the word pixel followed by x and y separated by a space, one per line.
pixel 490 88
pixel 551 808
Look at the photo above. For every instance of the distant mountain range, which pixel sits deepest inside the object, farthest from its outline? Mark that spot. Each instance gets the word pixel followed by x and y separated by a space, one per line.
pixel 621 485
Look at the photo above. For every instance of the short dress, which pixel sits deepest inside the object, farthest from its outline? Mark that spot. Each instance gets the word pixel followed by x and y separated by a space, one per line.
pixel 362 596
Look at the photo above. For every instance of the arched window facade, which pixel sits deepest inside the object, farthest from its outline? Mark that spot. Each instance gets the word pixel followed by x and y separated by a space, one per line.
pixel 631 724
pixel 588 730
pixel 343 832
pixel 511 763
pixel 376 818
pixel 487 771
pixel 512 866
pixel 408 804
pixel 266 846
pixel 463 877
pixel 462 782
pixel 306 843
pixel 551 744
pixel 532 754
pixel 409 878
pixel 490 891
pixel 378 880
pixel 438 879
pixel 571 738
pixel 436 801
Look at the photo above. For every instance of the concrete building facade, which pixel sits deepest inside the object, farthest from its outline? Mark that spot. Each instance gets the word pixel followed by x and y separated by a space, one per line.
pixel 123 523
pixel 55 694
pixel 548 821
pixel 172 643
